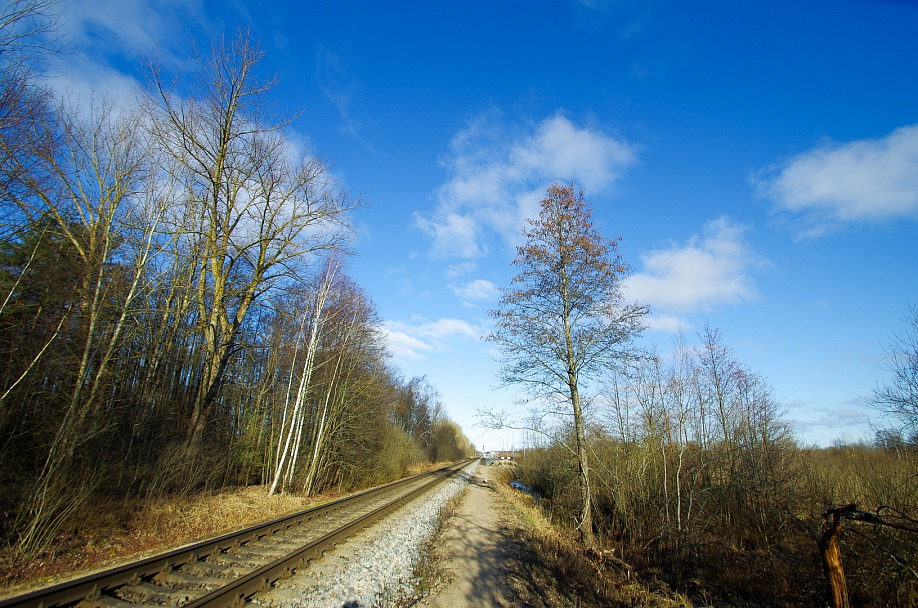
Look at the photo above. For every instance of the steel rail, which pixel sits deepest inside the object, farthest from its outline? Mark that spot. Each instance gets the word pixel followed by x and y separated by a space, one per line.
pixel 235 594
pixel 91 587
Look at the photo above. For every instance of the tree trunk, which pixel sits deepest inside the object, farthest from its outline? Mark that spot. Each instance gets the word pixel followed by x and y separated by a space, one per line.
pixel 585 527
pixel 295 431
pixel 208 392
pixel 831 557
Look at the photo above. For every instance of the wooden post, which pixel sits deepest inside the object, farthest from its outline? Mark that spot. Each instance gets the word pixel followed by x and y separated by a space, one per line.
pixel 831 556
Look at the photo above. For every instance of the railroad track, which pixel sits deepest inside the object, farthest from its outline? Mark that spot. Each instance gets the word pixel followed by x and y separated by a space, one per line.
pixel 224 572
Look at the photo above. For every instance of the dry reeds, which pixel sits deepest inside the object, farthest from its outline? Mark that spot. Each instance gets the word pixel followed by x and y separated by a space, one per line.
pixel 743 533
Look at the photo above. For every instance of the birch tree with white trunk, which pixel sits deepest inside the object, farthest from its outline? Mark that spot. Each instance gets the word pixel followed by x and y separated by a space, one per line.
pixel 291 436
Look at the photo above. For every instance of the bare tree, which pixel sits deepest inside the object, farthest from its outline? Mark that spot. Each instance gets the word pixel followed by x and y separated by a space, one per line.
pixel 94 198
pixel 28 28
pixel 28 31
pixel 564 321
pixel 898 397
pixel 347 400
pixel 255 213
pixel 418 409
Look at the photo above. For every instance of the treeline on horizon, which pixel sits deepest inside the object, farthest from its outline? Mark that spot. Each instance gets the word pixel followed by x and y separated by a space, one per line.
pixel 175 309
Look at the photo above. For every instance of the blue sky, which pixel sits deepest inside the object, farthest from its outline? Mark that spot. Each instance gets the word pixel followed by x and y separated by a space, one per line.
pixel 759 160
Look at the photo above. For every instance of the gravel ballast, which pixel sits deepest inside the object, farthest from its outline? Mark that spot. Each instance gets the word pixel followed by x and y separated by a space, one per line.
pixel 374 568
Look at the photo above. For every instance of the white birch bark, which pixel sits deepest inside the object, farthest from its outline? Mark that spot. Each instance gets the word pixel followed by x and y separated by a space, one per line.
pixel 296 419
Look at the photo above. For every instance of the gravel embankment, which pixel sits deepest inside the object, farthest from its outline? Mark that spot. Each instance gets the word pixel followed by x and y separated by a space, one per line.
pixel 376 567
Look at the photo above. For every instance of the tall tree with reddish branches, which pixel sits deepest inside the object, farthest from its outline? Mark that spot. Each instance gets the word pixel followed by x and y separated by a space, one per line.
pixel 564 320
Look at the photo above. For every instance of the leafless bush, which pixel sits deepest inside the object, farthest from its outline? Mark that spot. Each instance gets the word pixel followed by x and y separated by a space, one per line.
pixel 695 475
pixel 757 548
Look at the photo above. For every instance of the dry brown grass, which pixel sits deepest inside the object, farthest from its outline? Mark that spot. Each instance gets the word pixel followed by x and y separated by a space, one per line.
pixel 557 566
pixel 120 531
pixel 729 555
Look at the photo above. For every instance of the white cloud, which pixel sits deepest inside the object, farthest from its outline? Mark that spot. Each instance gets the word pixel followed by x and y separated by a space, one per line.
pixel 666 324
pixel 109 39
pixel 412 341
pixel 866 180
pixel 561 150
pixel 708 271
pixel 478 290
pixel 497 178
pixel 401 344
pixel 454 233
pixel 134 28
pixel 82 83
pixel 455 271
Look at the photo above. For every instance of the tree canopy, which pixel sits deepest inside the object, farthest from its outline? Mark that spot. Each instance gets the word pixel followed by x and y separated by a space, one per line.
pixel 564 319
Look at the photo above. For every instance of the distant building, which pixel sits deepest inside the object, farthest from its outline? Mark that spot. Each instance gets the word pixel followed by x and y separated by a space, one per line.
pixel 500 454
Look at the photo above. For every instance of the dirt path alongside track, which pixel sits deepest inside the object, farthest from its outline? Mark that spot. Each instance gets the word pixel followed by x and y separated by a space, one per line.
pixel 471 550
pixel 483 555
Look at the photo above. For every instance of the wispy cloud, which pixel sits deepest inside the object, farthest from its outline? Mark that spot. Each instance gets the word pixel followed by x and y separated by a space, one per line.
pixel 627 19
pixel 454 234
pixel 477 290
pixel 455 271
pixel 710 270
pixel 498 173
pixel 111 38
pixel 846 421
pixel 412 341
pixel 868 180
pixel 338 88
pixel 134 28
